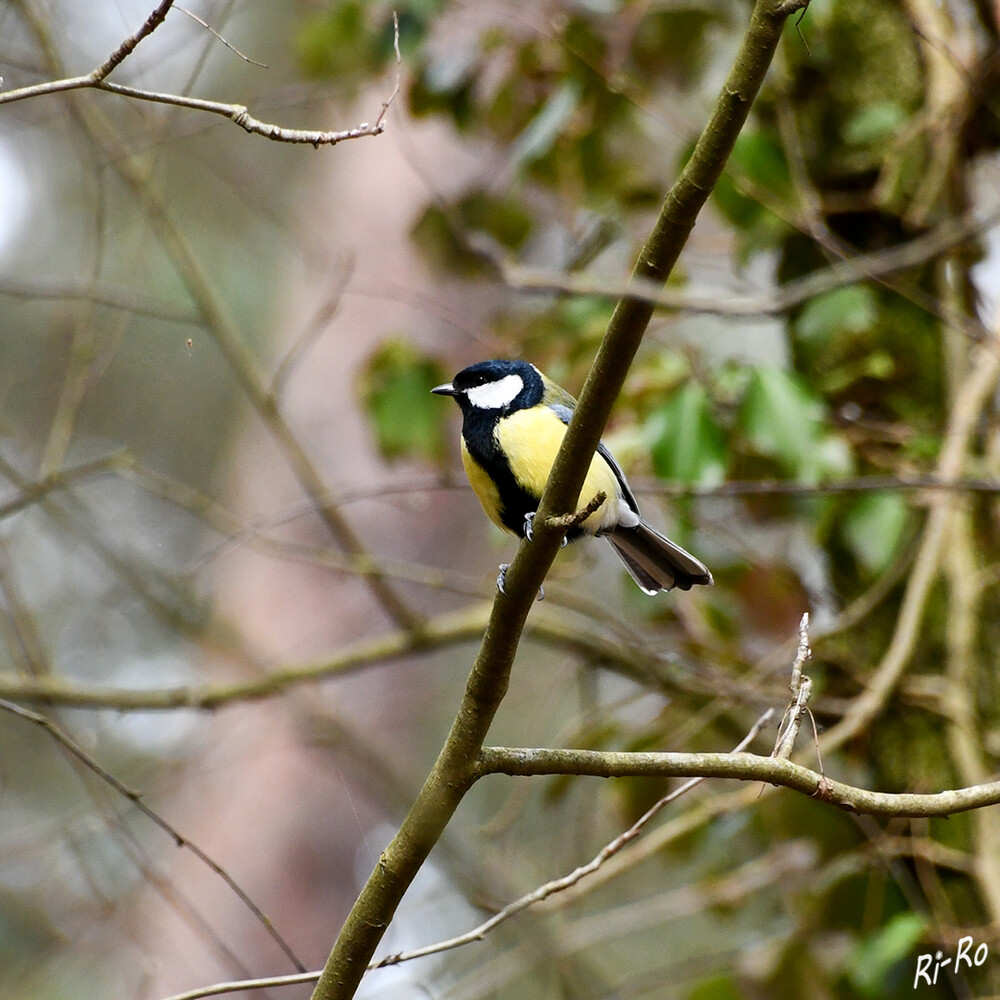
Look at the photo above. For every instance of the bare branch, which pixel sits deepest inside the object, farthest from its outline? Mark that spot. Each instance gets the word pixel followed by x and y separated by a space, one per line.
pixel 399 63
pixel 801 688
pixel 128 46
pixel 228 45
pixel 74 748
pixel 739 766
pixel 567 521
pixel 266 983
pixel 237 113
pixel 560 884
pixel 847 271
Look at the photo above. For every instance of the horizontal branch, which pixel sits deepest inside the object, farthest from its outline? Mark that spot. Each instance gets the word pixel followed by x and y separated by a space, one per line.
pixel 462 625
pixel 840 274
pixel 546 626
pixel 239 114
pixel 738 766
pixel 797 488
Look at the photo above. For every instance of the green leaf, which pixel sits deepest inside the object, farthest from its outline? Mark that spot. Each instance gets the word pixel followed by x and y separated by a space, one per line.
pixel 757 165
pixel 718 987
pixel 503 217
pixel 758 158
pixel 874 124
pixel 689 445
pixel 780 416
pixel 784 420
pixel 875 957
pixel 541 132
pixel 395 389
pixel 852 310
pixel 873 529
pixel 338 42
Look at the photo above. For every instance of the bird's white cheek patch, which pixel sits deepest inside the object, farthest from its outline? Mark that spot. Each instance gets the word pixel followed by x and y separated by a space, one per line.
pixel 496 395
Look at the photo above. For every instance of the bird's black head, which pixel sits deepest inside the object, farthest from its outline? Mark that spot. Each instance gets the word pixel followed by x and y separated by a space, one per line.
pixel 495 387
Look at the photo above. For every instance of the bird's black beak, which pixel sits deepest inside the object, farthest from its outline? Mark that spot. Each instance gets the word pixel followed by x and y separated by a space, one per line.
pixel 445 390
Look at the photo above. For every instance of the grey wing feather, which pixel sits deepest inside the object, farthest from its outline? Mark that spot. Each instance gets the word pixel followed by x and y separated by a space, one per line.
pixel 655 562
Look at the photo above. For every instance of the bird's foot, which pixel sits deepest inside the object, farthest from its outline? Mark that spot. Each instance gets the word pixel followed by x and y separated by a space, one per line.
pixel 529 520
pixel 502 582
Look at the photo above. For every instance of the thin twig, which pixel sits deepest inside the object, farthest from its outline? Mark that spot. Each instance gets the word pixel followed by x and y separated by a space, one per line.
pixel 240 114
pixel 399 64
pixel 228 45
pixel 268 982
pixel 30 493
pixel 312 330
pixel 74 748
pixel 842 273
pixel 128 46
pixel 801 688
pixel 560 884
pixel 574 520
pixel 237 113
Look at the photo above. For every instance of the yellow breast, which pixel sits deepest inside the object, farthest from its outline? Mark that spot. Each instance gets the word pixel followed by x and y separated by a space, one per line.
pixel 530 439
pixel 483 487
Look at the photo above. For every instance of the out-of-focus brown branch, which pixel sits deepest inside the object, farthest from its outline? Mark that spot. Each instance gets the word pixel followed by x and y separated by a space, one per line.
pixel 972 395
pixel 68 744
pixel 844 272
pixel 219 323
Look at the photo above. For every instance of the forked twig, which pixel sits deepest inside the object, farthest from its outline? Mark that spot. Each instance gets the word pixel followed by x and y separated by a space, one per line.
pixel 560 884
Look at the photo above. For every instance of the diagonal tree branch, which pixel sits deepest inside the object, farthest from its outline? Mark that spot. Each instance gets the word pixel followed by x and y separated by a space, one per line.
pixel 456 767
pixel 76 751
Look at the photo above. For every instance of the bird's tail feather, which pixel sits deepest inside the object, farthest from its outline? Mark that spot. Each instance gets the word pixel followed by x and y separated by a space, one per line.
pixel 655 562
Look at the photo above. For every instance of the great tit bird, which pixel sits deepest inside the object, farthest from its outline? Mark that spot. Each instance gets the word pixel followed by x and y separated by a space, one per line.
pixel 514 419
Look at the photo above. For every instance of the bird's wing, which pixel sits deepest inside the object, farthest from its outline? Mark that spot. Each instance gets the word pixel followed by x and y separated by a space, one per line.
pixel 565 414
pixel 555 395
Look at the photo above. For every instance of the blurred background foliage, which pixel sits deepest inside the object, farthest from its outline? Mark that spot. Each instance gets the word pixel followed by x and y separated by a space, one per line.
pixel 542 141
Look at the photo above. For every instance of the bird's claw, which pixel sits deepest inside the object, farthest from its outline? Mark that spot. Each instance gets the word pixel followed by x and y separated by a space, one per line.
pixel 528 529
pixel 502 582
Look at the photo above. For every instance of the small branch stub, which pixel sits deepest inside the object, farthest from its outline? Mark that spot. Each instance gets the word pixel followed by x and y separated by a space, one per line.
pixel 800 686
pixel 569 521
